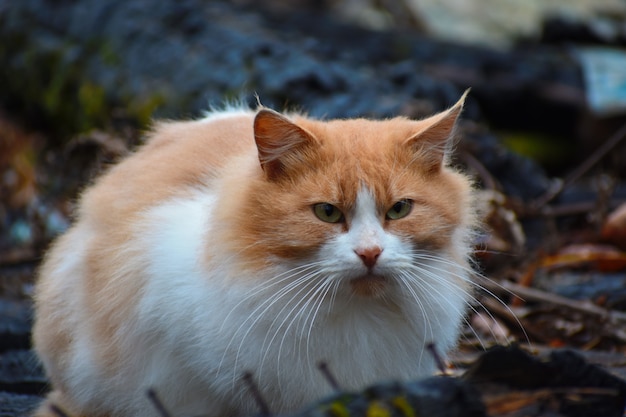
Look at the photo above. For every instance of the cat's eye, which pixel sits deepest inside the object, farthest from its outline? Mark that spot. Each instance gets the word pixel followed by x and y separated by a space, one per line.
pixel 400 209
pixel 328 213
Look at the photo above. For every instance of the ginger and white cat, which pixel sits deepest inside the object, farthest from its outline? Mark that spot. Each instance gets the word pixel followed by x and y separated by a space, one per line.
pixel 261 242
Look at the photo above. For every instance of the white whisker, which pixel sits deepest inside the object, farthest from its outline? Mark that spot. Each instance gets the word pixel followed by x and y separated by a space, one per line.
pixel 466 272
pixel 259 311
pixel 326 287
pixel 310 285
pixel 407 280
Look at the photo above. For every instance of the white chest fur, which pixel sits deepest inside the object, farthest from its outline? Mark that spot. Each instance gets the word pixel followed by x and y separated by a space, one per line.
pixel 201 326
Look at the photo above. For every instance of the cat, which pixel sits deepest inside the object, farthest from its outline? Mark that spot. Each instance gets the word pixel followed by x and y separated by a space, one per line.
pixel 262 242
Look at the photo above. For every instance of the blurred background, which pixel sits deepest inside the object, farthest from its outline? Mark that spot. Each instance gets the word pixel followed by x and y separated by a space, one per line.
pixel 487 22
pixel 543 129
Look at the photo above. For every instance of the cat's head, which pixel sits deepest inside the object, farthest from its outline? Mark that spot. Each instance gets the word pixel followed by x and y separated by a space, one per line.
pixel 355 202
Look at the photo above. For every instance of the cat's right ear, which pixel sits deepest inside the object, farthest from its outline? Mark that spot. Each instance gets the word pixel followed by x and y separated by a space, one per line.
pixel 279 142
pixel 433 143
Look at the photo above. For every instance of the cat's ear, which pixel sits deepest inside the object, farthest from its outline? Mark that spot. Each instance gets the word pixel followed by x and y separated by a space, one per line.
pixel 279 141
pixel 433 142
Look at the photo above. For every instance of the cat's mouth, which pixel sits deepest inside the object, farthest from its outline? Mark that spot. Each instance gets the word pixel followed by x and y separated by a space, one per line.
pixel 369 285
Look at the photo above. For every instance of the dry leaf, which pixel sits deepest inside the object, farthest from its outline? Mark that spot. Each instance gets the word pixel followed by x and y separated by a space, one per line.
pixel 614 229
pixel 18 154
pixel 504 233
pixel 604 258
pixel 487 325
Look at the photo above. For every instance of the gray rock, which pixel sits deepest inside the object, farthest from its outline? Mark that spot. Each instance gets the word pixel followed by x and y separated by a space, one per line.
pixel 15 324
pixel 174 58
pixel 21 373
pixel 17 405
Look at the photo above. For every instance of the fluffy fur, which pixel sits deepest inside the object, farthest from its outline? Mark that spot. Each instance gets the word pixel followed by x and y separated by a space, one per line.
pixel 201 256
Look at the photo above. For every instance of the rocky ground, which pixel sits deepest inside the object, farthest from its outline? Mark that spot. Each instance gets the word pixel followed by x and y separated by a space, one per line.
pixel 81 80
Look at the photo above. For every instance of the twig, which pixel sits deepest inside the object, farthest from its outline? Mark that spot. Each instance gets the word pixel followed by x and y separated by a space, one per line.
pixel 585 166
pixel 570 209
pixel 483 173
pixel 513 316
pixel 57 410
pixel 256 393
pixel 332 381
pixel 154 398
pixel 533 294
pixel 438 361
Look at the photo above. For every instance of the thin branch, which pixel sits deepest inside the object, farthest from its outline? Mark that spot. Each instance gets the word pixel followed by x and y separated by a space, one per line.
pixel 332 381
pixel 534 294
pixel 571 209
pixel 154 399
pixel 256 393
pixel 438 361
pixel 489 182
pixel 582 169
pixel 56 410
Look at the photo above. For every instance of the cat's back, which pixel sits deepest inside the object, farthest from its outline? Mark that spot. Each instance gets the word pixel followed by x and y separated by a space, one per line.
pixel 89 283
pixel 176 158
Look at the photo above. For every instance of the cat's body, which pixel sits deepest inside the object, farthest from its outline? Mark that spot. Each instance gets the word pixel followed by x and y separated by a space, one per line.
pixel 255 242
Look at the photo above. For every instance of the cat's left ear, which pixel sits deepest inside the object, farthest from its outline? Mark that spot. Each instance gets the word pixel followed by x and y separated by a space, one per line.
pixel 279 141
pixel 433 142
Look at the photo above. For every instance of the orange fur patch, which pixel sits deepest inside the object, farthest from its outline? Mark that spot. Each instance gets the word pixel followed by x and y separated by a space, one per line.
pixel 275 218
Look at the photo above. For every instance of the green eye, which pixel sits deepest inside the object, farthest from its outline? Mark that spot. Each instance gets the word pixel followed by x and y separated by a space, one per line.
pixel 328 213
pixel 400 209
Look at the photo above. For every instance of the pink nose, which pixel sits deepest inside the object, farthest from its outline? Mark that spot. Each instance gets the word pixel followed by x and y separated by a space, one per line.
pixel 369 256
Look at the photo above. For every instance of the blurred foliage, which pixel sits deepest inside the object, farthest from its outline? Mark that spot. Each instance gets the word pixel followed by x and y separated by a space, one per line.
pixel 551 152
pixel 48 85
